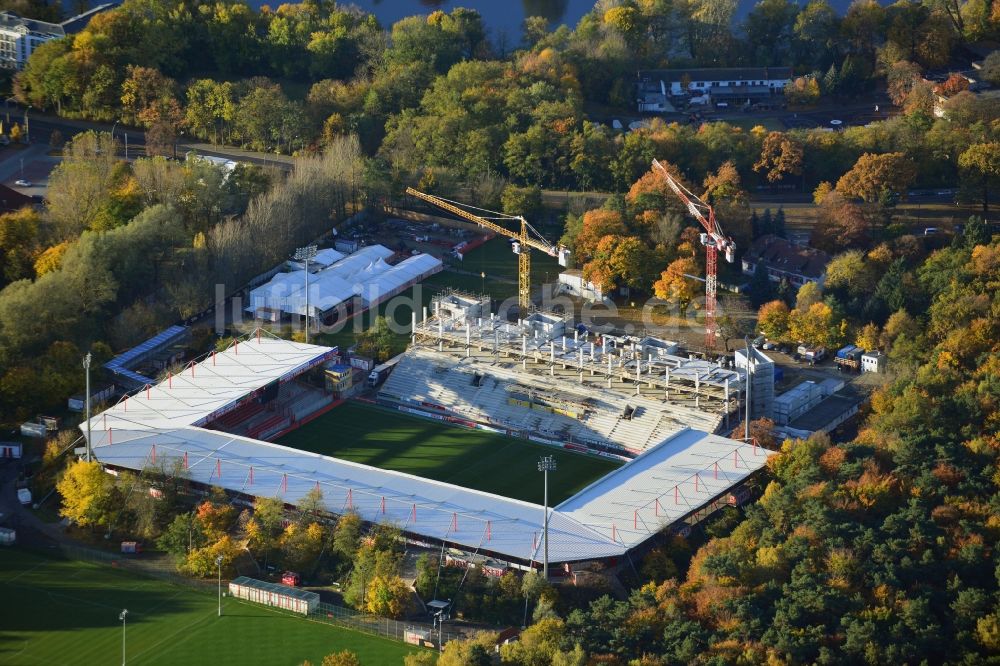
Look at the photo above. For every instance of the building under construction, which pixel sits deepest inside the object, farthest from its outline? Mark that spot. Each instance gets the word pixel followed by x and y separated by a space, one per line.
pixel 542 378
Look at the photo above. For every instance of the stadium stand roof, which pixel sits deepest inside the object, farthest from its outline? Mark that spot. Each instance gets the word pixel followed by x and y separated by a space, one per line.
pixel 606 520
pixel 161 426
pixel 204 391
pixel 119 365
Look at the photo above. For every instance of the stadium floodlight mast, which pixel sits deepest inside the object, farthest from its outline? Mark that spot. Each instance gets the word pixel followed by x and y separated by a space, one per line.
pixel 305 254
pixel 746 419
pixel 218 563
pixel 545 465
pixel 121 616
pixel 86 367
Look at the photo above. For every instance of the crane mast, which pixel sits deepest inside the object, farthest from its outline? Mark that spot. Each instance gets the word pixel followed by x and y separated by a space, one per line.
pixel 713 239
pixel 524 241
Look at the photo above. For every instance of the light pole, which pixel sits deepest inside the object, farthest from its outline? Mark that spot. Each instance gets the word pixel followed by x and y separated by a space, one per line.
pixel 218 563
pixel 305 254
pixel 86 367
pixel 121 617
pixel 746 419
pixel 113 127
pixel 27 128
pixel 126 144
pixel 545 465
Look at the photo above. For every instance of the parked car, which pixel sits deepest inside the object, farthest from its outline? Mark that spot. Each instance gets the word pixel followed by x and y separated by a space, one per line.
pixel 22 183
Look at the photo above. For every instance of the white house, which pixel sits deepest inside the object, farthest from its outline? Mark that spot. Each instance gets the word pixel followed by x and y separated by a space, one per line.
pixel 737 85
pixel 873 361
pixel 19 37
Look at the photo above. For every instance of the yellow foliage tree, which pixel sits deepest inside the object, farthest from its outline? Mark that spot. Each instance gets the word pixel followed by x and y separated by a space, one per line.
pixel 813 326
pixel 387 596
pixel 673 284
pixel 773 319
pixel 200 562
pixel 50 259
pixel 343 658
pixel 86 492
pixel 868 337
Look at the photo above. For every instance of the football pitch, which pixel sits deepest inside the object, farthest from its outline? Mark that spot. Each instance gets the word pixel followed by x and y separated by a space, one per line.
pixel 58 611
pixel 475 459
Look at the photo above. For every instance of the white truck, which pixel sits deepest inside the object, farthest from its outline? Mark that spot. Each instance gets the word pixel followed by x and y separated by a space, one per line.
pixel 24 496
pixel 380 372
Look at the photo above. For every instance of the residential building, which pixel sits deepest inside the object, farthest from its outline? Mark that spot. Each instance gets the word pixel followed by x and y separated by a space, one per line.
pixel 873 361
pixel 744 85
pixel 784 260
pixel 19 37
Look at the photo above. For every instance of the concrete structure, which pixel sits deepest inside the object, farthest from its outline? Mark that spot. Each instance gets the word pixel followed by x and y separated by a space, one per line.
pixel 19 37
pixel 762 381
pixel 873 361
pixel 785 261
pixel 826 415
pixel 572 282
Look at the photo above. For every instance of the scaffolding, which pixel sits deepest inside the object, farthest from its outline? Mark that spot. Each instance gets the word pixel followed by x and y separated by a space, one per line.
pixel 547 343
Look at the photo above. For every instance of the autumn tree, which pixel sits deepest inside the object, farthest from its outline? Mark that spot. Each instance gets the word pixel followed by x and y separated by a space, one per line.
pixel 87 493
pixel 873 174
pixel 773 320
pixel 675 286
pixel 596 224
pixel 301 545
pixel 814 325
pixel 342 658
pixel 377 341
pixel 808 295
pixel 387 596
pixel 803 91
pixel 868 337
pixel 841 225
pixel 848 271
pixel 780 156
pixel 982 161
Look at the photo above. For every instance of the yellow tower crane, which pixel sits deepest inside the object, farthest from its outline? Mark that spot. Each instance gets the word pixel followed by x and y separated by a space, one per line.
pixel 528 237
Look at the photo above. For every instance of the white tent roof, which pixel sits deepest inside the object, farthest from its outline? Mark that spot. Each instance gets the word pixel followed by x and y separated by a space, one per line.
pixel 202 391
pixel 328 287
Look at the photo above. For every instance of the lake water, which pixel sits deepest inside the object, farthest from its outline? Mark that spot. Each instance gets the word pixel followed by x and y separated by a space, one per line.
pixel 504 17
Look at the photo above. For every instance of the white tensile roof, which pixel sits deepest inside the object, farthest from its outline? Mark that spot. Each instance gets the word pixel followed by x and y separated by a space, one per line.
pixel 160 426
pixel 363 273
pixel 202 391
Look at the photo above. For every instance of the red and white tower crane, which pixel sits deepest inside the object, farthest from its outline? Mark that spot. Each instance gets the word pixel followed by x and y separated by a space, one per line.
pixel 714 241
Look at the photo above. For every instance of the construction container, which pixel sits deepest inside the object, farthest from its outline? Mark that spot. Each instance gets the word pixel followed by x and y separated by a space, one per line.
pixel 273 594
pixel 131 547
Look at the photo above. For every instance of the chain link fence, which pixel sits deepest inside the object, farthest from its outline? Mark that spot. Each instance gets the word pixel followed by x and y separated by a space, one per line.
pixel 411 632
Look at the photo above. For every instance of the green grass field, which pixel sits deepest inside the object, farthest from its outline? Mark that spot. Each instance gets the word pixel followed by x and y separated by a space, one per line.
pixel 65 612
pixel 469 458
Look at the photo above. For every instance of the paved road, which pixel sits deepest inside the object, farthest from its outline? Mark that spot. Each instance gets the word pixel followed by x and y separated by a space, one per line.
pixel 41 126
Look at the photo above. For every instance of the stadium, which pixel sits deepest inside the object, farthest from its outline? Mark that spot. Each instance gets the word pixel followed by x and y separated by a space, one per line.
pixel 448 450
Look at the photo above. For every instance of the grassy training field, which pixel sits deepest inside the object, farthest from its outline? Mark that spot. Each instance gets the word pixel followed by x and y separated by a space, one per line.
pixel 65 612
pixel 469 458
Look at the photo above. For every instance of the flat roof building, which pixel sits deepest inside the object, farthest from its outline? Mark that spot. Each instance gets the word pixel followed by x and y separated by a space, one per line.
pixel 19 37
